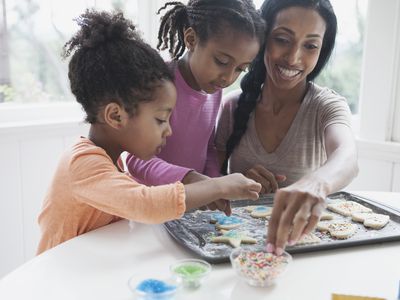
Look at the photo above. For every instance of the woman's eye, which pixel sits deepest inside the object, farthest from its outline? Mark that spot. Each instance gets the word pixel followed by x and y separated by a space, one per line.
pixel 311 46
pixel 281 40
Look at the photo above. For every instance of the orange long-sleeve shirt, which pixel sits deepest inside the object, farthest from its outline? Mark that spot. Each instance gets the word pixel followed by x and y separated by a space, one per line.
pixel 88 192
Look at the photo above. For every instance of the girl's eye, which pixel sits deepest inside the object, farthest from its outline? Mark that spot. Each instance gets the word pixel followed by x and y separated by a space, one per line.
pixel 160 121
pixel 220 62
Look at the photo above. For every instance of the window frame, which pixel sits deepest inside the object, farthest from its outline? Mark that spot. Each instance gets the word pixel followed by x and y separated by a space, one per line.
pixel 380 92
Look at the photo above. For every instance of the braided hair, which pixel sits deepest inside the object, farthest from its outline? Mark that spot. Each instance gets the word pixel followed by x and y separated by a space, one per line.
pixel 111 62
pixel 207 18
pixel 252 82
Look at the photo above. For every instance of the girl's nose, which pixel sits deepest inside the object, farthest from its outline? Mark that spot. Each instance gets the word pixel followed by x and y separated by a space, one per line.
pixel 168 130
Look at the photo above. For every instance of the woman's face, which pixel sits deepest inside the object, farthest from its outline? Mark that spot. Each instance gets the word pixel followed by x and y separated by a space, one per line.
pixel 293 46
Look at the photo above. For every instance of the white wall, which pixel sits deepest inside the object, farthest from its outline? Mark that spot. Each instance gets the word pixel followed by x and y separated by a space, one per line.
pixel 28 157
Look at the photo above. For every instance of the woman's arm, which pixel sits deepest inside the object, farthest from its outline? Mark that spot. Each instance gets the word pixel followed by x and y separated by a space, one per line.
pixel 297 208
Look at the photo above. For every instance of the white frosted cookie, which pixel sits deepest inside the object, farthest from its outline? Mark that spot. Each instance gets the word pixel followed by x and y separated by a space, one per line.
pixel 378 221
pixel 342 230
pixel 323 225
pixel 375 221
pixel 233 238
pixel 347 208
pixel 326 216
pixel 310 238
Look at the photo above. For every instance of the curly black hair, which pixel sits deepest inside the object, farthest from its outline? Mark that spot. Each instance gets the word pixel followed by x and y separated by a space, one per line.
pixel 252 82
pixel 207 18
pixel 111 62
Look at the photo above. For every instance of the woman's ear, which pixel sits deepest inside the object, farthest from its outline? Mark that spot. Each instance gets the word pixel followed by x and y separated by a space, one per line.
pixel 191 39
pixel 114 115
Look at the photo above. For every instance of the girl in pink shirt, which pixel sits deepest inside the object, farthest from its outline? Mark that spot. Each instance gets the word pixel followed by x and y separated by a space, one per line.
pixel 128 94
pixel 211 43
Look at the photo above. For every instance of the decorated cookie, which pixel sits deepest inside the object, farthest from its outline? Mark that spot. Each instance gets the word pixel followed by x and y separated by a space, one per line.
pixel 326 216
pixel 261 211
pixel 224 222
pixel 308 239
pixel 233 238
pixel 347 208
pixel 371 220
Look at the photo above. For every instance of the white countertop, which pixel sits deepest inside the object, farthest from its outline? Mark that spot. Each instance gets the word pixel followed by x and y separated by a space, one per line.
pixel 98 264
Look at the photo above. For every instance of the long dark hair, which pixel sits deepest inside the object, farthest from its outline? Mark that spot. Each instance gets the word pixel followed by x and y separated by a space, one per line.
pixel 252 82
pixel 207 18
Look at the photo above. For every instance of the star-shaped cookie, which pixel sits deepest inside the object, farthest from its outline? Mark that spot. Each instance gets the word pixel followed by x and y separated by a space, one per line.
pixel 233 238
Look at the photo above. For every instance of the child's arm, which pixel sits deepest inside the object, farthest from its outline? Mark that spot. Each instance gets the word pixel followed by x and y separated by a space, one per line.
pixel 155 171
pixel 95 181
pixel 233 187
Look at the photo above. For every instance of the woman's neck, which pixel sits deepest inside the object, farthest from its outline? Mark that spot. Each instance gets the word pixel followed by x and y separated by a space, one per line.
pixel 99 135
pixel 275 99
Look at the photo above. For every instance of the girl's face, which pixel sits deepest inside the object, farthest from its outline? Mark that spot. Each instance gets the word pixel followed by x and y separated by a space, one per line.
pixel 293 46
pixel 217 63
pixel 146 131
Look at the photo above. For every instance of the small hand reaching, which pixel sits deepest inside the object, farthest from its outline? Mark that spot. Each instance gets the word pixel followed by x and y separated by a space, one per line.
pixel 269 181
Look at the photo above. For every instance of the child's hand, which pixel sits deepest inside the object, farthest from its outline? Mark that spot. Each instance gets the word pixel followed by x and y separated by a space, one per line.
pixel 236 186
pixel 268 180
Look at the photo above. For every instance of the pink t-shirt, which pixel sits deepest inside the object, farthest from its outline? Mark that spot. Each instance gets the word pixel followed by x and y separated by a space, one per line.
pixel 191 145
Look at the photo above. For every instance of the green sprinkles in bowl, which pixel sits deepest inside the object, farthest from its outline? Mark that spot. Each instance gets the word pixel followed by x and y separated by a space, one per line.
pixel 191 272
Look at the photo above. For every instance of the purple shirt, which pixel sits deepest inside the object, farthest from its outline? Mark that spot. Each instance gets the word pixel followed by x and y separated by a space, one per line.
pixel 191 145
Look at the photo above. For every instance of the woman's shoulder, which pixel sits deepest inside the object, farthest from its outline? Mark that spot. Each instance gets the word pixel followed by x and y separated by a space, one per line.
pixel 325 94
pixel 323 98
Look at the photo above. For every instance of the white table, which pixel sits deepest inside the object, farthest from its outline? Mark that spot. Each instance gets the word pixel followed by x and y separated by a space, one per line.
pixel 97 265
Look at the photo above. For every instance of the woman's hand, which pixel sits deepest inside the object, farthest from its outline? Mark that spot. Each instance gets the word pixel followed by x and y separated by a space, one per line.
pixel 268 181
pixel 297 209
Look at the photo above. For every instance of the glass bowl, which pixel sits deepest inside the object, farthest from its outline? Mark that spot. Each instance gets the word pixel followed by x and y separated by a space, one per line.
pixel 190 272
pixel 258 267
pixel 151 288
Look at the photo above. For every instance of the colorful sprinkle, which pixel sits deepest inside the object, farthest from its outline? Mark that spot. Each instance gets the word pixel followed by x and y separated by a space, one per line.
pixel 260 267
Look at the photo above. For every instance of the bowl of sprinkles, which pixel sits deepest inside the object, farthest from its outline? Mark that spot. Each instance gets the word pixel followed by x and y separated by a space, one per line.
pixel 150 289
pixel 190 272
pixel 259 267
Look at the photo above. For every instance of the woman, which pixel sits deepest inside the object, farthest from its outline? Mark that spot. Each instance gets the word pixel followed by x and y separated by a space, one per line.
pixel 283 130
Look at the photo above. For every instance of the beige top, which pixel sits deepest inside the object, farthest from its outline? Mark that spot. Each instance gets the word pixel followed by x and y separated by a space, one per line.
pixel 303 148
pixel 88 191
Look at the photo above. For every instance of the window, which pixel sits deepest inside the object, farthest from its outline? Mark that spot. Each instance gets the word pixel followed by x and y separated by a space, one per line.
pixel 32 34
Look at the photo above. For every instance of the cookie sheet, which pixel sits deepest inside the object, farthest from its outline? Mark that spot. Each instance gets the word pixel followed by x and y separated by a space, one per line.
pixel 194 230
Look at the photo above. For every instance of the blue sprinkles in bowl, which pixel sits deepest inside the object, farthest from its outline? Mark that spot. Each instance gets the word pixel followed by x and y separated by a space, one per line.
pixel 155 289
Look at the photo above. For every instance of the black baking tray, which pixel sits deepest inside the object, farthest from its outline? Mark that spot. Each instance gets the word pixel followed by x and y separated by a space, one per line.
pixel 194 230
